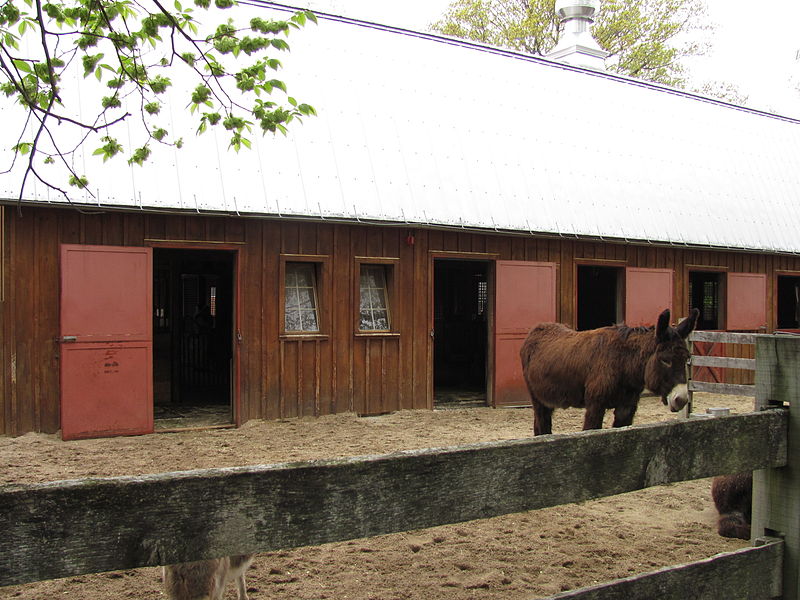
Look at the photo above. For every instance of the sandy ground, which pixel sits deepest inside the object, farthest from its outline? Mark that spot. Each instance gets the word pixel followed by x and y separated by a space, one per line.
pixel 518 556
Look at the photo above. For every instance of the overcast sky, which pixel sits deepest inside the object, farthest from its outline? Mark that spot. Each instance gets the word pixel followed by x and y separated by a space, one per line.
pixel 754 45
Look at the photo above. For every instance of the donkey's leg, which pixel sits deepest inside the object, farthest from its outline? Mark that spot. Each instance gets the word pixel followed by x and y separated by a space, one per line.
pixel 542 418
pixel 593 417
pixel 623 415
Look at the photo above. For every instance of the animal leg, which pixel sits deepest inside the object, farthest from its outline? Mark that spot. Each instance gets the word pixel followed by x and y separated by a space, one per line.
pixel 623 415
pixel 542 419
pixel 242 587
pixel 593 417
pixel 733 525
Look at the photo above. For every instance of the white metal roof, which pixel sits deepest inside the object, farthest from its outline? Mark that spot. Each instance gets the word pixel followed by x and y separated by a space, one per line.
pixel 427 130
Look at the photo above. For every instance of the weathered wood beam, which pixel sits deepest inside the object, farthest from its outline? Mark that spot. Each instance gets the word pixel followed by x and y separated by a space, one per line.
pixel 723 337
pixel 748 364
pixel 68 528
pixel 753 573
pixel 730 389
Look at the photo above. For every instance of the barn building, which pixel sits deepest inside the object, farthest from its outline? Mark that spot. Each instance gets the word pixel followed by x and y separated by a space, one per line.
pixel 392 252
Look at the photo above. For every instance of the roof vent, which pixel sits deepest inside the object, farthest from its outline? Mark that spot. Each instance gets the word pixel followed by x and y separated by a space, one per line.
pixel 577 46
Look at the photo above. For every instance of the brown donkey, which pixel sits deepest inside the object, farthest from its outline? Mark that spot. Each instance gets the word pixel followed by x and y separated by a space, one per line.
pixel 206 579
pixel 605 368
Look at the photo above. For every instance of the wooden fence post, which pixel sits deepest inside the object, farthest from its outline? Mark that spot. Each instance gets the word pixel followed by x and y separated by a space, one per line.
pixel 776 492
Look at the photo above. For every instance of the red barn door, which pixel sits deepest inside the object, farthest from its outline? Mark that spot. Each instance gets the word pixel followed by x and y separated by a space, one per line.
pixel 647 293
pixel 525 294
pixel 106 341
pixel 747 302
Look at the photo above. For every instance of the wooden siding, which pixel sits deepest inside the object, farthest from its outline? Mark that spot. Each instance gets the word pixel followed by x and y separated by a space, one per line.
pixel 285 376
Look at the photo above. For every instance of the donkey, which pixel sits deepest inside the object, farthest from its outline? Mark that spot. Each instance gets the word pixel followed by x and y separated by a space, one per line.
pixel 206 579
pixel 605 368
pixel 733 497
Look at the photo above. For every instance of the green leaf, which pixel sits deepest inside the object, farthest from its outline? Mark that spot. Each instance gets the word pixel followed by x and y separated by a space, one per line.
pixel 139 156
pixel 278 84
pixel 79 182
pixel 23 147
pixel 22 65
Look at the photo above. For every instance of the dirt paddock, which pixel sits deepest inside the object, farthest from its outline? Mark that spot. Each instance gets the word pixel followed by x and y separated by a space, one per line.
pixel 517 556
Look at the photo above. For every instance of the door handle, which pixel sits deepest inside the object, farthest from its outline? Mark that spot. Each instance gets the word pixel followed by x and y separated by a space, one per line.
pixel 69 338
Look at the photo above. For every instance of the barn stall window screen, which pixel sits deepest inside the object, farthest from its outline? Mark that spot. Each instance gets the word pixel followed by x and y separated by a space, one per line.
pixel 301 306
pixel 374 303
pixel 483 297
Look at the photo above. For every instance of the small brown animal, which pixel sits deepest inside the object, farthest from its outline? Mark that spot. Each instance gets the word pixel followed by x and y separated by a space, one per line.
pixel 206 579
pixel 605 368
pixel 733 497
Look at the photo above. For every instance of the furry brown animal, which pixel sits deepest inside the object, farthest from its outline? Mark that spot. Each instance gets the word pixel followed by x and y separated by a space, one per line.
pixel 605 368
pixel 206 579
pixel 733 497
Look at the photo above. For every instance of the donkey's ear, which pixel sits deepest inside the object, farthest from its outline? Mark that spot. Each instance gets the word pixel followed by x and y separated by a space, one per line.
pixel 662 325
pixel 687 326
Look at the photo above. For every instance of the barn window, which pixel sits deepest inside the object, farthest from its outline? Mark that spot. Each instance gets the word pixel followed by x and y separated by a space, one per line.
pixel 374 298
pixel 705 288
pixel 788 302
pixel 300 298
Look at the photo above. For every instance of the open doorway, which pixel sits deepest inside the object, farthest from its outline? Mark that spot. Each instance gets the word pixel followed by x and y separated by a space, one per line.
pixel 600 293
pixel 788 302
pixel 705 294
pixel 193 304
pixel 460 332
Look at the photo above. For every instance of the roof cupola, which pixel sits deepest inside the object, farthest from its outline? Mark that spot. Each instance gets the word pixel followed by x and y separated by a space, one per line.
pixel 577 46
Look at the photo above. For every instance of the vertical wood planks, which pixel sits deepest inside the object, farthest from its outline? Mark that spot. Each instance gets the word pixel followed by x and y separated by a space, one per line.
pixel 5 322
pixel 339 372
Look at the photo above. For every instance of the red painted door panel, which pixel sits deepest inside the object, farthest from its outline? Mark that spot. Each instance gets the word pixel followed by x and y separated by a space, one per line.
pixel 106 341
pixel 105 389
pixel 647 293
pixel 747 302
pixel 525 294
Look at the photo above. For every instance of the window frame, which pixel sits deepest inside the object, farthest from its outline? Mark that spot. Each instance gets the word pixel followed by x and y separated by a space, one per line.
pixel 321 263
pixel 390 272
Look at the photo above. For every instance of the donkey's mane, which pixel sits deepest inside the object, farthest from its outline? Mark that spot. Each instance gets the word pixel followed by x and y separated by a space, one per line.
pixel 624 332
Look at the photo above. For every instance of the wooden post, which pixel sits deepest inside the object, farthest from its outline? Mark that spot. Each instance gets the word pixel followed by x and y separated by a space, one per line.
pixel 776 492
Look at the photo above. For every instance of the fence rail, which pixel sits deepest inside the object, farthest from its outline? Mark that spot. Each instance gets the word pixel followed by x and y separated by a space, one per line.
pixel 749 573
pixel 69 528
pixel 86 526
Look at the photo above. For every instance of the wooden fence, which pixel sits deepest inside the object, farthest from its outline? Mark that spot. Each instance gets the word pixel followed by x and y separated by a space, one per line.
pixel 722 337
pixel 69 528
